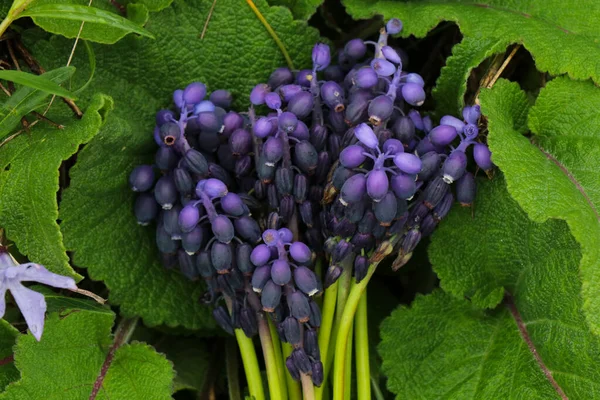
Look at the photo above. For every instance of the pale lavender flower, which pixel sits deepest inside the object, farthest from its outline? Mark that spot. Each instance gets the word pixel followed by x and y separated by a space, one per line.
pixel 31 303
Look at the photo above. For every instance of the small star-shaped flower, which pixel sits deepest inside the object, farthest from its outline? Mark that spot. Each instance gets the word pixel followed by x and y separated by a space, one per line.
pixel 31 303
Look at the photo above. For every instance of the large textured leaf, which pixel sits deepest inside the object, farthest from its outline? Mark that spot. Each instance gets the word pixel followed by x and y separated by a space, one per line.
pixel 447 347
pixel 555 174
pixel 66 363
pixel 236 53
pixel 69 25
pixel 8 371
pixel 561 36
pixel 301 9
pixel 29 182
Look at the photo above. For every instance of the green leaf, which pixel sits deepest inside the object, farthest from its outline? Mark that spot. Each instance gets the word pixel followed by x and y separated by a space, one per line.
pixel 448 347
pixel 86 14
pixel 102 24
pixel 561 36
pixel 38 82
pixel 27 99
pixel 8 371
pixel 555 174
pixel 234 59
pixel 66 363
pixel 29 183
pixel 301 9
pixel 191 358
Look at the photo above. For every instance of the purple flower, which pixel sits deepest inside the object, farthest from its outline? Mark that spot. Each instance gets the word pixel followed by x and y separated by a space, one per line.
pixel 32 304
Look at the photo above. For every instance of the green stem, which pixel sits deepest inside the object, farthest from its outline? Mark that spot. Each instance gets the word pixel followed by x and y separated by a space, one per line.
pixel 266 341
pixel 14 13
pixel 361 336
pixel 308 389
pixel 376 389
pixel 278 358
pixel 345 325
pixel 250 362
pixel 348 366
pixel 294 391
pixel 231 365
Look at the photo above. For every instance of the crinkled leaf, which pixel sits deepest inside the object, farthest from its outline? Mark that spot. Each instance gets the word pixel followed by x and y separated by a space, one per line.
pixel 98 223
pixel 29 181
pixel 27 99
pixel 561 36
pixel 38 82
pixel 301 9
pixel 448 347
pixel 8 371
pixel 69 22
pixel 555 174
pixel 67 361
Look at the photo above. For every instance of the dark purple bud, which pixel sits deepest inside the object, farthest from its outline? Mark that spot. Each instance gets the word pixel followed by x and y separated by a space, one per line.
pixel 288 91
pixel 270 296
pixel 356 111
pixel 410 241
pixel 444 206
pixel 355 49
pixel 240 142
pixel 306 280
pixel 274 221
pixel 341 251
pixel 165 192
pixel 380 109
pixel 482 156
pixel 354 212
pixel 299 307
pixel 365 78
pixel 442 135
pixel 333 96
pixel 317 374
pixel 231 122
pixel 194 93
pixel 354 189
pixel 377 184
pixel 416 119
pixel 361 267
pixel 221 98
pixel 323 167
pixel 471 114
pixel 169 133
pixel 337 122
pixel 315 194
pixel 385 210
pixel 315 315
pixel 341 175
pixel 332 275
pixel 408 163
pixel 306 157
pixel 301 104
pixel 393 26
pixel 233 204
pixel 320 56
pixel 383 67
pixel 219 173
pixel 264 171
pixel 455 165
pixel 247 228
pixel 292 331
pixel 398 226
pixel 166 158
pixel 248 322
pixel 263 127
pixel 302 361
pixel 300 188
pixel 286 207
pixel 303 77
pixel 164 116
pixel 222 228
pixel 196 162
pixel 188 217
pixel 301 132
pixel 169 220
pixel 273 197
pixel 284 180
pixel 435 192
pixel 243 166
pixel 204 265
pixel 318 136
pixel 292 369
pixel 465 189
pixel 281 272
pixel 164 242
pixel 257 96
pixel 260 277
pixel 404 186
pixel 210 122
pixel 273 101
pixel 141 178
pixel 242 259
pixel 367 222
pixel 430 166
pixel 334 146
pixel 287 122
pixel 187 265
pixel 311 344
pixel 273 150
pixel 223 319
pixel 221 257
pixel 213 188
pixel 401 209
pixel 334 73
pixel 183 181
pixel 193 240
pixel 344 228
pixel 404 129
pixel 280 76
pixel 145 208
pixel 417 214
pixel 362 241
pixel 428 225
pixel 306 213
pixel 413 94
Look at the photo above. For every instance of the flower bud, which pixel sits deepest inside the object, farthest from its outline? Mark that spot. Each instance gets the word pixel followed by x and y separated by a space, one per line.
pixel 311 344
pixel 435 192
pixel 248 322
pixel 292 331
pixel 465 190
pixel 284 178
pixel 320 56
pixel 385 210
pixel 196 162
pixel 443 135
pixel 165 192
pixel 301 104
pixel 482 156
pixel 257 95
pixel 410 241
pixel 270 296
pixel 260 277
pixel 247 228
pixel 333 96
pixel 444 206
pixel 281 272
pixel 223 319
pixel 306 157
pixel 306 280
pixel 141 178
pixel 454 167
pixel 145 209
pixel 292 369
pixel 221 257
pixel 361 267
pixel 332 275
pixel 300 188
pixel 471 114
pixel 287 121
pixel 393 26
pixel 404 186
pixel 240 142
pixel 280 76
pixel 222 228
pixel 242 259
pixel 317 373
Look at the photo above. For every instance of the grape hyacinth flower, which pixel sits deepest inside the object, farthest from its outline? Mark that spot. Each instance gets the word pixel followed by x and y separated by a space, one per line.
pixel 32 304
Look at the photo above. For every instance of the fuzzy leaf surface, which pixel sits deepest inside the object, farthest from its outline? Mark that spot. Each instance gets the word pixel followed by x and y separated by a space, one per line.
pixel 555 174
pixel 8 371
pixel 141 85
pixel 561 36
pixel 66 362
pixel 448 347
pixel 29 182
pixel 301 9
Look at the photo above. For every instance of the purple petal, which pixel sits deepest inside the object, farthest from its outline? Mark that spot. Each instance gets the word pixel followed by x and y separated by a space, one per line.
pixel 32 306
pixel 366 136
pixel 38 273
pixel 2 301
pixel 6 261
